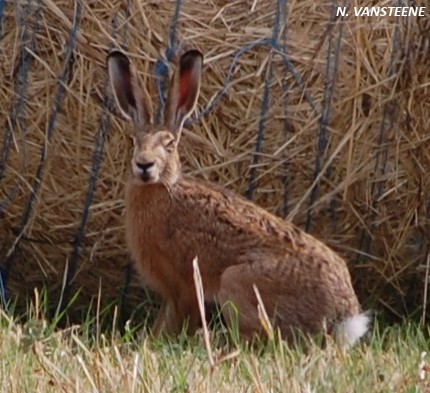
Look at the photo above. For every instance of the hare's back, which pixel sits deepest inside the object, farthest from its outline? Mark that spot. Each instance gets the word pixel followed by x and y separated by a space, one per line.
pixel 206 207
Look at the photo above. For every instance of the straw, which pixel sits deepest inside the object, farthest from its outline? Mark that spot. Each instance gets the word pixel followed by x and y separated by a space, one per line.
pixel 320 119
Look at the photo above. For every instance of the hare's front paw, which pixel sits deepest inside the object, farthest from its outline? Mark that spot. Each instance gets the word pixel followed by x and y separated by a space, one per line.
pixel 174 317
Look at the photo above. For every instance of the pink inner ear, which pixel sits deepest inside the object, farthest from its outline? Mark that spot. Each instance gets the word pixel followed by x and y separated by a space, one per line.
pixel 184 88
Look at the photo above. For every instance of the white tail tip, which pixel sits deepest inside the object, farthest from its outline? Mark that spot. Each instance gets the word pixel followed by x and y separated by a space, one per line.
pixel 353 328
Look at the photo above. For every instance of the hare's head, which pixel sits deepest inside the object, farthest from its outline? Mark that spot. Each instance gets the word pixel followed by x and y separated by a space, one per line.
pixel 155 157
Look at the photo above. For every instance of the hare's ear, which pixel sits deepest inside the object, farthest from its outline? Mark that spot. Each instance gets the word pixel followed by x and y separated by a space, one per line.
pixel 126 88
pixel 184 91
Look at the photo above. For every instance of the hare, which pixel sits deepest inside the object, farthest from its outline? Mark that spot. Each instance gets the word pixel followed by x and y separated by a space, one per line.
pixel 171 218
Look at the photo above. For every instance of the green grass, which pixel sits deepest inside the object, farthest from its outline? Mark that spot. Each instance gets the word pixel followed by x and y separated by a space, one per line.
pixel 40 357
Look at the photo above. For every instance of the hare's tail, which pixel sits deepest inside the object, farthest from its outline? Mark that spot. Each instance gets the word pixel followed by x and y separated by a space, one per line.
pixel 350 330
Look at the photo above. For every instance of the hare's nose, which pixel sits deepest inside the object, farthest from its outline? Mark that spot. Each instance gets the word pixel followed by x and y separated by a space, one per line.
pixel 144 166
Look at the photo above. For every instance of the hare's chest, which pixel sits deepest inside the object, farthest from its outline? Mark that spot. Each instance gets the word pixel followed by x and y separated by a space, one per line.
pixel 145 231
pixel 145 225
pixel 142 237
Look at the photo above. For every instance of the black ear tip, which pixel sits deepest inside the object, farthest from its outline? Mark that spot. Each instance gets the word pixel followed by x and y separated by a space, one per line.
pixel 117 55
pixel 191 56
pixel 194 53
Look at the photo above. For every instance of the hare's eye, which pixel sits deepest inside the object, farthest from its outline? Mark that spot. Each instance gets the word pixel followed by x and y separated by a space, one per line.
pixel 170 145
pixel 131 142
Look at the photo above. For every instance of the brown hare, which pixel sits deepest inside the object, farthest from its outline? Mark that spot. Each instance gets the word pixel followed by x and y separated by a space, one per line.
pixel 171 218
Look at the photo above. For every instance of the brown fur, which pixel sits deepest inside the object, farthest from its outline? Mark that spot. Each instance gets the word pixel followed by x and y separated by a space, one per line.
pixel 172 218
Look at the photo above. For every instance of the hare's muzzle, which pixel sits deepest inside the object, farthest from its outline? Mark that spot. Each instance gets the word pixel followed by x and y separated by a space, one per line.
pixel 144 169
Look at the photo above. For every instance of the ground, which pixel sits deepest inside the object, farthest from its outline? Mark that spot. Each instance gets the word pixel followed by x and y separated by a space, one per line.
pixel 37 356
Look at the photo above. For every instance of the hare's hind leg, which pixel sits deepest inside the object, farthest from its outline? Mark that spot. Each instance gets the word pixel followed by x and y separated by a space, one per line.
pixel 239 303
pixel 238 298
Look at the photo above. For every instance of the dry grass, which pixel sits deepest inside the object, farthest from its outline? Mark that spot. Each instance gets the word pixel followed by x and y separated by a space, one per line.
pixel 37 358
pixel 366 101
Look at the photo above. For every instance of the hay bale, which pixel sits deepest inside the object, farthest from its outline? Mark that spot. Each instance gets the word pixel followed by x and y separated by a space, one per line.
pixel 320 119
